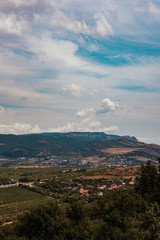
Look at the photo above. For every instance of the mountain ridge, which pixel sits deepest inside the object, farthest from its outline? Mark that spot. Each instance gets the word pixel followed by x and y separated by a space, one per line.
pixel 86 135
pixel 76 146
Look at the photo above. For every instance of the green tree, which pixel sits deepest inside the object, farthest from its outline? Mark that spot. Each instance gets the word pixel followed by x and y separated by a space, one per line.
pixel 44 222
pixel 147 182
pixel 150 223
pixel 75 212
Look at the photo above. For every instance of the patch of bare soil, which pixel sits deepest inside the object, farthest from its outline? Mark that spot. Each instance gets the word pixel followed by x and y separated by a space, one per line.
pixel 122 151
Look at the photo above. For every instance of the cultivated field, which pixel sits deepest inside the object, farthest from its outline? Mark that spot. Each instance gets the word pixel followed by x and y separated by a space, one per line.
pixel 119 150
pixel 16 200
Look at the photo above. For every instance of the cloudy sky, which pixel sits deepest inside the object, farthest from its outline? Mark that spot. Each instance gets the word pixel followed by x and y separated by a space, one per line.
pixel 80 65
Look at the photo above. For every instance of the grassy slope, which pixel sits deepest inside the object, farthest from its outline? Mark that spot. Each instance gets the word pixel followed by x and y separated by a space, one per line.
pixel 16 194
pixel 16 200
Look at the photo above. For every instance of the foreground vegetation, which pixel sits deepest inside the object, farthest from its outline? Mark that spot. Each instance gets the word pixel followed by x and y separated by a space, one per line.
pixel 22 189
pixel 127 213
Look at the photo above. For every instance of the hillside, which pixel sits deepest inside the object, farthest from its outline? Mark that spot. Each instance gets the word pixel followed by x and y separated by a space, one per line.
pixel 33 145
pixel 78 149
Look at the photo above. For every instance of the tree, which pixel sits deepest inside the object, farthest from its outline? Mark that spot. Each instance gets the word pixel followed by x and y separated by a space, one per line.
pixel 150 224
pixel 75 212
pixel 44 222
pixel 147 182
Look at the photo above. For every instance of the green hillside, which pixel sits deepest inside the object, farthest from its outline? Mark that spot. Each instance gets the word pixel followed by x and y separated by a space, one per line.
pixel 74 146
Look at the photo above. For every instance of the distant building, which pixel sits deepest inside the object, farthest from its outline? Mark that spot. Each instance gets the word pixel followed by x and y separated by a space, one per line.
pixel 113 186
pixel 132 182
pixel 84 192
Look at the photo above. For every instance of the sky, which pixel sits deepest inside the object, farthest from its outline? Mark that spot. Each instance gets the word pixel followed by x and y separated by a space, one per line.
pixel 80 65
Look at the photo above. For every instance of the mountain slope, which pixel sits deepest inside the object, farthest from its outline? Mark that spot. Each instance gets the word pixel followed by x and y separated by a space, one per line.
pixel 33 145
pixel 78 146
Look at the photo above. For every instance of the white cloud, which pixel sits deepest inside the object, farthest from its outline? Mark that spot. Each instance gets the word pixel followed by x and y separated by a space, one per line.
pixel 61 20
pixel 103 28
pixel 2 110
pixel 108 129
pixel 85 112
pixel 61 56
pixel 77 90
pixel 57 54
pixel 150 7
pixel 74 89
pixel 84 126
pixel 153 8
pixel 17 14
pixel 17 3
pixel 107 106
pixel 19 128
pixel 94 124
pixel 69 127
pixel 18 17
pixel 11 25
pixel 85 123
pixel 92 48
pixel 24 8
pixel 21 3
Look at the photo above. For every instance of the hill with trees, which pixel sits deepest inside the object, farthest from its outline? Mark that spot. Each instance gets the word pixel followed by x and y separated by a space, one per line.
pixel 79 146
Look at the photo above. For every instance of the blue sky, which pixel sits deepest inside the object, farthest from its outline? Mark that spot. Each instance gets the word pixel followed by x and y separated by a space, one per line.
pixel 74 65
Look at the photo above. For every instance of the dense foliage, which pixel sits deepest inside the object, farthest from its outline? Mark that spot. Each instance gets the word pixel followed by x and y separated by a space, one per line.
pixel 121 214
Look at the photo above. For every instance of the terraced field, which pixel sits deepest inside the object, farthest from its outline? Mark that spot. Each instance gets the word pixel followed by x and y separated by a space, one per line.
pixel 16 200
